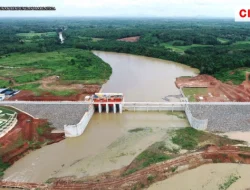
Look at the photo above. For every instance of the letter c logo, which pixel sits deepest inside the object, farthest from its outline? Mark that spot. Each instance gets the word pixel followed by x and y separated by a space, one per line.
pixel 243 13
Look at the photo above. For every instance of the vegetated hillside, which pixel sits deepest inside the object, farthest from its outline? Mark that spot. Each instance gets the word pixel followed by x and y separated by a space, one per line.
pixel 25 71
pixel 213 46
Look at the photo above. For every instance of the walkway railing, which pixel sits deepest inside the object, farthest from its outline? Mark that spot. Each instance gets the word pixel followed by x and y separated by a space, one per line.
pixel 126 103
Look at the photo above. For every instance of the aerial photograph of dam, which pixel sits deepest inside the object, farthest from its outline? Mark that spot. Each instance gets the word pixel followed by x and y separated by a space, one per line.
pixel 124 95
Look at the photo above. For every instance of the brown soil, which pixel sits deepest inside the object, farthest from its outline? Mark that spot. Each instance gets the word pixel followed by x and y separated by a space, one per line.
pixel 130 39
pixel 145 177
pixel 53 83
pixel 25 137
pixel 217 91
pixel 30 96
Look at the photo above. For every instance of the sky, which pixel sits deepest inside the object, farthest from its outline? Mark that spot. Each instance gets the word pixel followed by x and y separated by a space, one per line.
pixel 127 8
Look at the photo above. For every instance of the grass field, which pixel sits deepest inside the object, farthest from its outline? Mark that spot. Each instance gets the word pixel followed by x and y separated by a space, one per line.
pixel 181 49
pixel 4 83
pixel 33 34
pixel 70 64
pixel 89 38
pixel 222 40
pixel 190 93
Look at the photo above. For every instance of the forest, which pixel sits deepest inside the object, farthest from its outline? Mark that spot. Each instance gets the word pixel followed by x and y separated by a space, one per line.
pixel 214 46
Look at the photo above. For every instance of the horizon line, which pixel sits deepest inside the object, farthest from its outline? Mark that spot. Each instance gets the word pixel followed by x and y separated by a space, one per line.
pixel 159 17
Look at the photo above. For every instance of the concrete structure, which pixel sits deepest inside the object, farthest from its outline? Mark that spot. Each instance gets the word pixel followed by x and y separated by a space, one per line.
pixel 108 102
pixel 9 124
pixel 2 97
pixel 78 129
pixel 213 116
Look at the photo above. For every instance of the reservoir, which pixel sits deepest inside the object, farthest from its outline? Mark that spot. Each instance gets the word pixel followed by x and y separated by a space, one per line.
pixel 107 142
pixel 143 78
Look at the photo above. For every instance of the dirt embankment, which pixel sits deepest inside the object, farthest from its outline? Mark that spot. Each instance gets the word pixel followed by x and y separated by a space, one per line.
pixel 27 95
pixel 50 89
pixel 130 39
pixel 141 179
pixel 28 134
pixel 217 90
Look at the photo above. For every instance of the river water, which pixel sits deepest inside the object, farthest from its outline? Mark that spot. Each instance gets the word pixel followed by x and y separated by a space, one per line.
pixel 140 79
pixel 143 78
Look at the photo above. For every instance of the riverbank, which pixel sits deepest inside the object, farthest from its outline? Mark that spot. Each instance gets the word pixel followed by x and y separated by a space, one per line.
pixel 66 74
pixel 112 147
pixel 205 88
pixel 142 78
pixel 214 176
pixel 171 168
pixel 25 137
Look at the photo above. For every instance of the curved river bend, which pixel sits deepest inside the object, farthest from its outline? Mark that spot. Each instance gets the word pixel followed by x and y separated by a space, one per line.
pixel 140 79
pixel 143 78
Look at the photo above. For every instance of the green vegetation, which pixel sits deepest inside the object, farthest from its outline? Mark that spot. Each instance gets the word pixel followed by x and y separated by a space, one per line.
pixel 178 114
pixel 236 76
pixel 42 129
pixel 190 139
pixel 4 83
pixel 3 167
pixel 70 64
pixel 180 48
pixel 187 138
pixel 150 178
pixel 213 46
pixel 173 169
pixel 231 179
pixel 223 40
pixel 153 154
pixel 136 130
pixel 190 93
pixel 34 34
pixel 62 92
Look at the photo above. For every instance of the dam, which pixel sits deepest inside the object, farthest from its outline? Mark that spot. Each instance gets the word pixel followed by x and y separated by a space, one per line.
pixel 144 83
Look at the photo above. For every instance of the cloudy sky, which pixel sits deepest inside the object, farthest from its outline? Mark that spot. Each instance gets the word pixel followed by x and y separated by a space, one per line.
pixel 129 8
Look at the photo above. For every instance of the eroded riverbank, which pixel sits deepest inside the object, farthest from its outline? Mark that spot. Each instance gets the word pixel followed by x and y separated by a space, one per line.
pixel 73 156
pixel 214 176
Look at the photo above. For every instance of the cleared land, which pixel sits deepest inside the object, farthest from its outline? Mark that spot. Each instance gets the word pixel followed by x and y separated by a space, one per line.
pixel 130 39
pixel 181 49
pixel 216 90
pixel 72 66
pixel 223 40
pixel 32 34
pixel 192 93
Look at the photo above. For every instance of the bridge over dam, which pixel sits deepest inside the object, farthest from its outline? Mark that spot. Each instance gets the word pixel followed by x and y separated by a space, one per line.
pixel 73 117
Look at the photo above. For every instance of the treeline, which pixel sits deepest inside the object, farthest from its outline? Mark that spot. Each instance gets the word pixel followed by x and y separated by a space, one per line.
pixel 79 33
pixel 208 60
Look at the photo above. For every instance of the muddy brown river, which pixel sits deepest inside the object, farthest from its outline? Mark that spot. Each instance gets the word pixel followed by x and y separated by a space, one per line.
pixel 107 143
pixel 143 78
